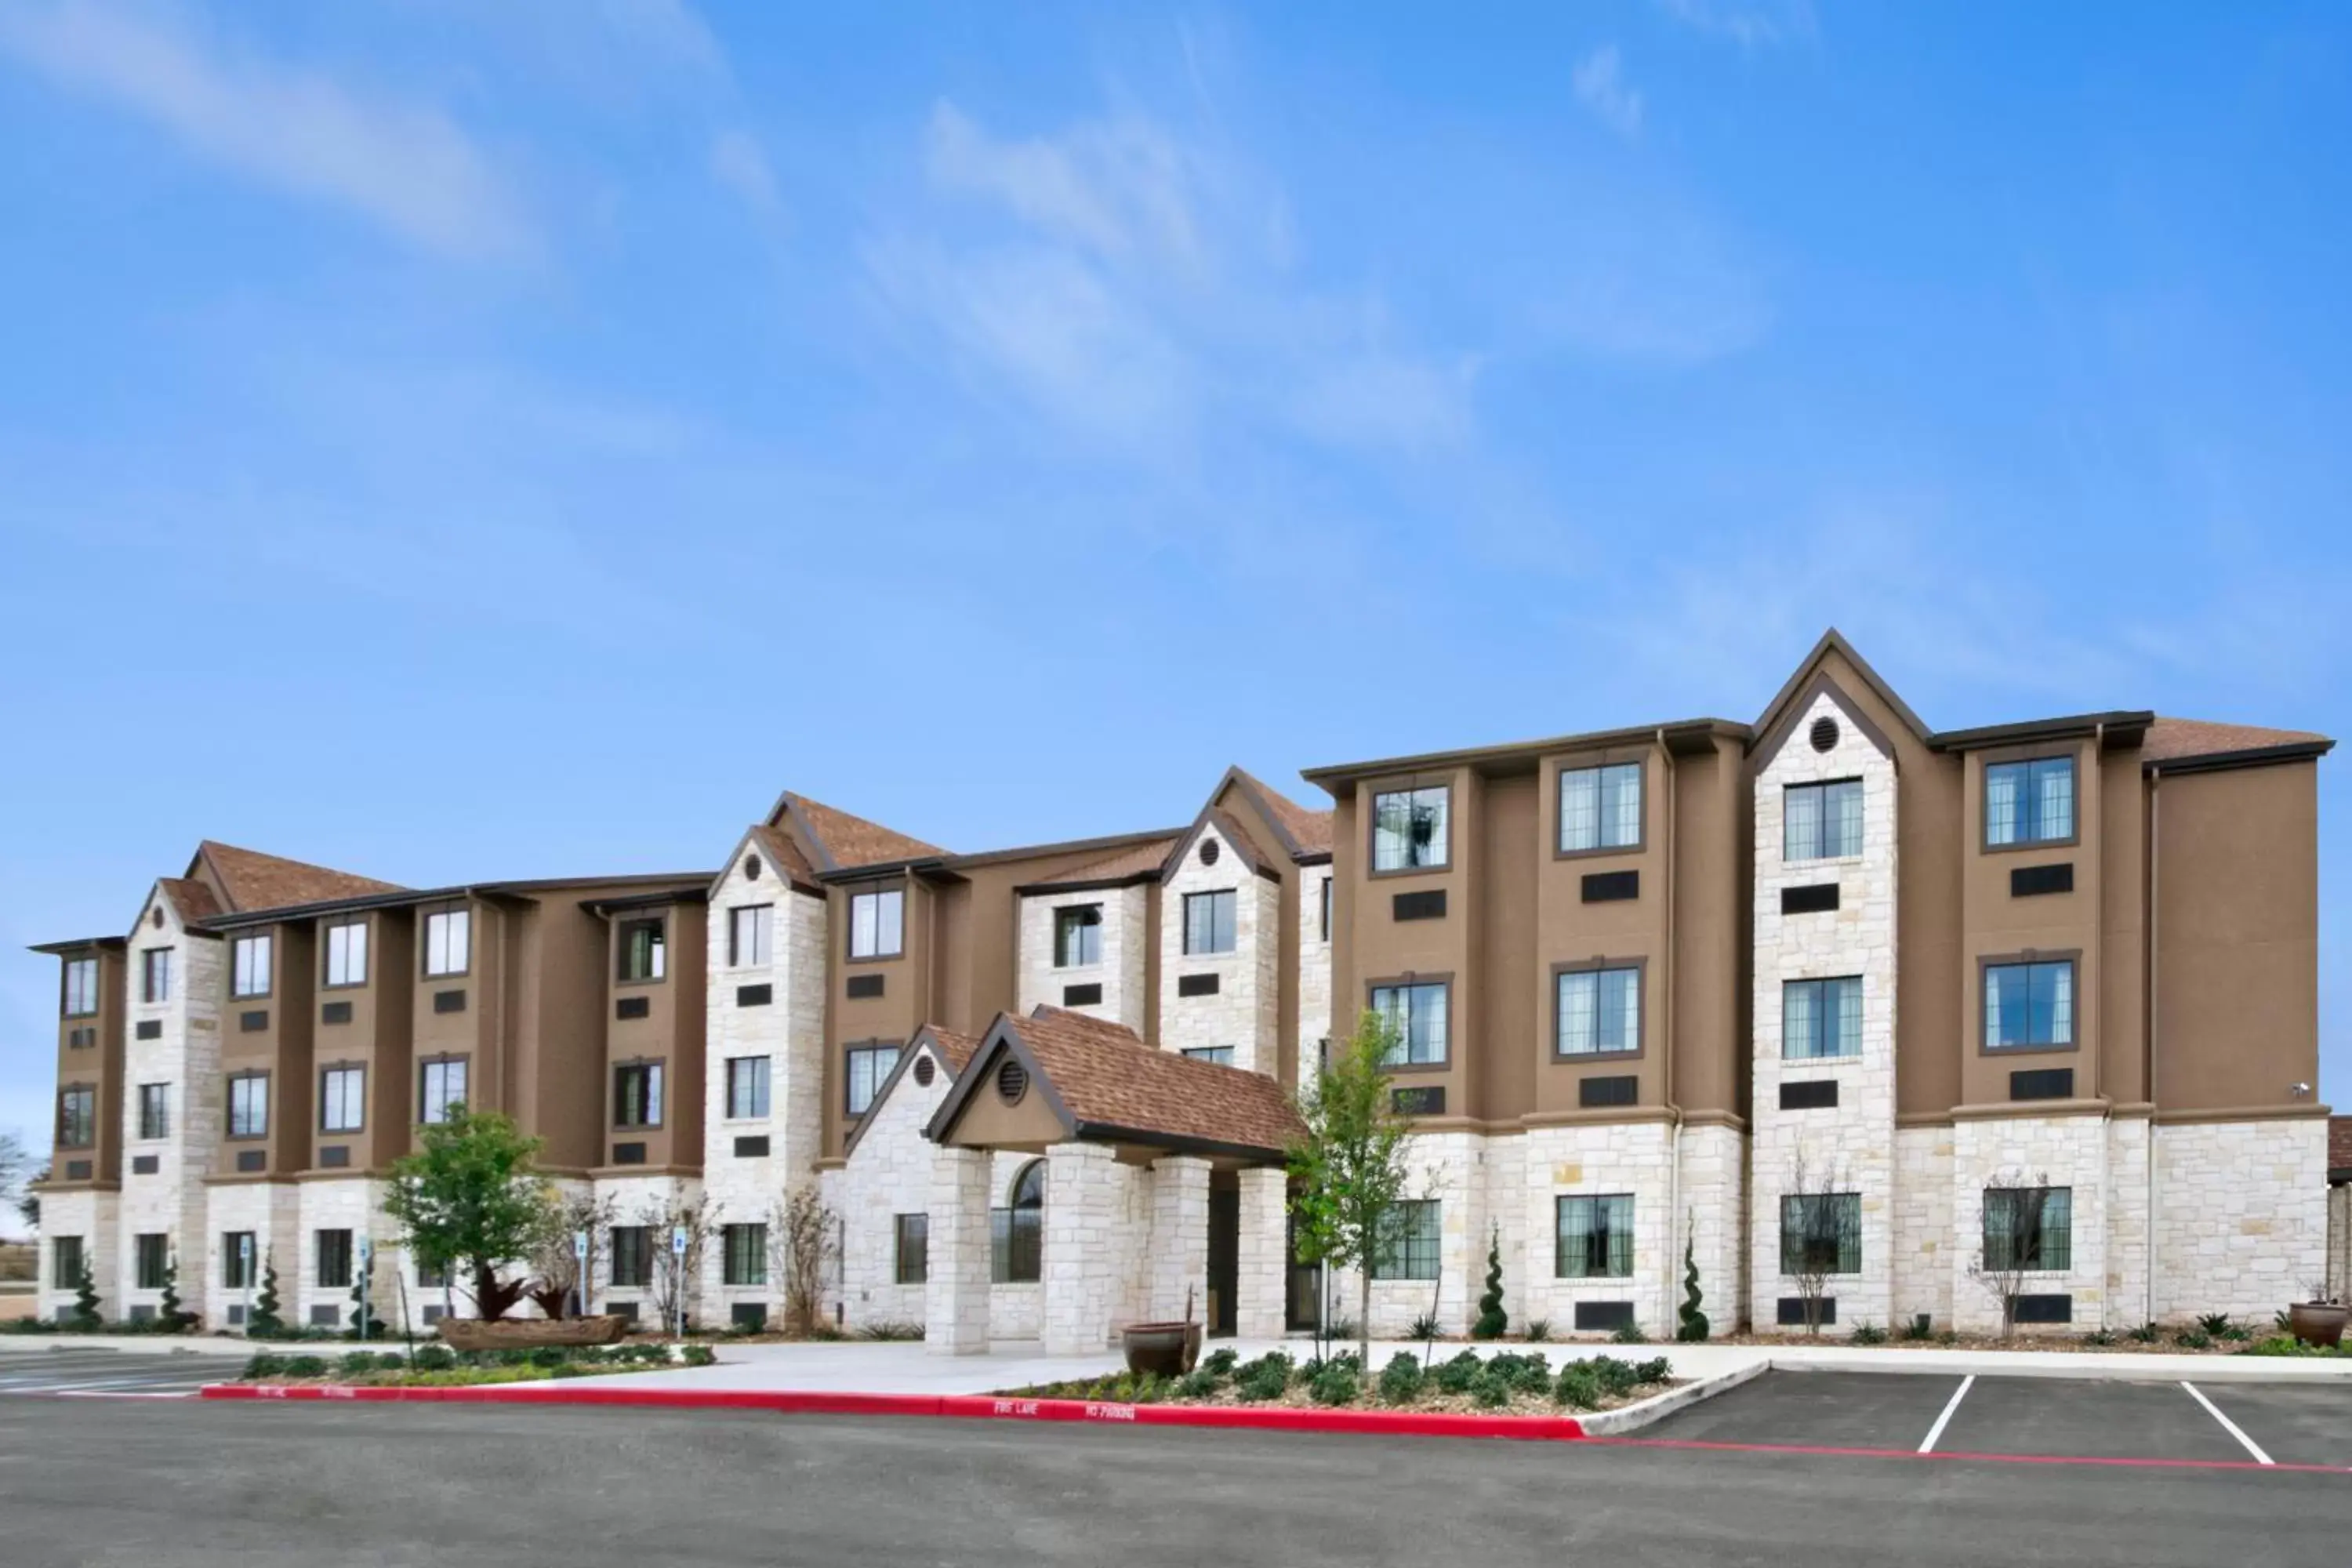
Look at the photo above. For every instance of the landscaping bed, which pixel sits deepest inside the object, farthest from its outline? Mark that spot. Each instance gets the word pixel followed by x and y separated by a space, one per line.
pixel 1504 1382
pixel 2213 1334
pixel 437 1367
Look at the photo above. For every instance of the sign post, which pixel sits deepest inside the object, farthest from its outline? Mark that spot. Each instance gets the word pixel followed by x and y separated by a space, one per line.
pixel 244 1272
pixel 367 1263
pixel 677 1274
pixel 579 1269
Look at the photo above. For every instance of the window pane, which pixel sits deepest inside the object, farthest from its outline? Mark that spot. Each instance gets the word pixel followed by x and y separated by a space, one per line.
pixel 2003 784
pixel 1580 808
pixel 1578 1011
pixel 893 920
pixel 1409 828
pixel 1842 818
pixel 1620 805
pixel 2053 799
pixel 1801 823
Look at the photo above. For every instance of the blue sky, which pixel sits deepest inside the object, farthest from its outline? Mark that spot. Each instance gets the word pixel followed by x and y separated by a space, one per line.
pixel 449 440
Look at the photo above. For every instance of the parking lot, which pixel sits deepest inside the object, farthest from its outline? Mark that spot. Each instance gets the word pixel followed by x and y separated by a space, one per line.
pixel 85 1373
pixel 2027 1419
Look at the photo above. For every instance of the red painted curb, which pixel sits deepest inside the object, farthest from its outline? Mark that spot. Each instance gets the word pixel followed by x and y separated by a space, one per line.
pixel 1382 1422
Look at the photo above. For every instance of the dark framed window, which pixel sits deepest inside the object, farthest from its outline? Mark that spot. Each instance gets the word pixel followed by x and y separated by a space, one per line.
pixel 342 1099
pixel 65 1262
pixel 2029 1005
pixel 632 1257
pixel 1417 1011
pixel 440 1085
pixel 1327 908
pixel 877 923
pixel 745 1251
pixel 155 975
pixel 1820 1018
pixel 248 1105
pixel 151 1258
pixel 1594 1237
pixel 331 1250
pixel 77 1116
pixel 637 1094
pixel 747 1087
pixel 448 941
pixel 866 1069
pixel 910 1248
pixel 1016 1233
pixel 155 1111
pixel 1209 921
pixel 238 1256
pixel 1223 1056
pixel 1077 936
pixel 644 950
pixel 1821 1232
pixel 749 932
pixel 2029 1228
pixel 2028 803
pixel 249 965
pixel 1410 829
pixel 1821 821
pixel 1410 1241
pixel 80 995
pixel 1601 809
pixel 347 954
pixel 1598 1012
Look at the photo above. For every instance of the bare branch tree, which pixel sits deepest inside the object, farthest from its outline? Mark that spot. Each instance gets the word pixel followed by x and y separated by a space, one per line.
pixel 676 1276
pixel 1817 1232
pixel 556 1268
pixel 2015 1239
pixel 803 1244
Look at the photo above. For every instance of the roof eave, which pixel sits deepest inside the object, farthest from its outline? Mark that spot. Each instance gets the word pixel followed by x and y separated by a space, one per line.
pixel 2120 727
pixel 80 945
pixel 2248 757
pixel 1175 1142
pixel 1341 774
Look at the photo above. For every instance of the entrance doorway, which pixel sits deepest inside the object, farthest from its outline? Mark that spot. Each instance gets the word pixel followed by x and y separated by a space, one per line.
pixel 1302 1287
pixel 1224 1254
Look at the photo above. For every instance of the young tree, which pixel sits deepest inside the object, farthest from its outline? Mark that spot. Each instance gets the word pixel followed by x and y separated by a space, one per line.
pixel 803 1245
pixel 1493 1322
pixel 1813 1233
pixel 556 1267
pixel 29 1205
pixel 1694 1327
pixel 677 1275
pixel 471 1200
pixel 14 1162
pixel 2010 1245
pixel 1349 1165
pixel 263 1320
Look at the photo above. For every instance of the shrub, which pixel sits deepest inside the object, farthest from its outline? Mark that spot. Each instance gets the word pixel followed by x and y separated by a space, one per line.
pixel 306 1366
pixel 1531 1372
pixel 1617 1377
pixel 1920 1329
pixel 1493 1322
pixel 700 1355
pixel 1538 1330
pixel 1629 1334
pixel 1947 1338
pixel 1578 1387
pixel 435 1358
pixel 1402 1379
pixel 2194 1338
pixel 2216 1324
pixel 1657 1369
pixel 1221 1362
pixel 1424 1328
pixel 2288 1344
pixel 1198 1384
pixel 1692 1327
pixel 1342 1328
pixel 2146 1335
pixel 1491 1387
pixel 1869 1334
pixel 353 1363
pixel 2098 1337
pixel 263 1365
pixel 1456 1375
pixel 389 1360
pixel 2237 1333
pixel 1263 1378
pixel 1334 1385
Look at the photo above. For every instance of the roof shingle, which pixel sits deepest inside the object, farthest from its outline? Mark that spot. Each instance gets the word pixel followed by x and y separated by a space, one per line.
pixel 1310 830
pixel 254 881
pixel 1135 861
pixel 2170 740
pixel 1106 1076
pixel 192 901
pixel 852 840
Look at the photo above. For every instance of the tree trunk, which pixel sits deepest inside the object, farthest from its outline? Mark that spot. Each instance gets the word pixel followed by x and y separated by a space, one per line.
pixel 1364 1322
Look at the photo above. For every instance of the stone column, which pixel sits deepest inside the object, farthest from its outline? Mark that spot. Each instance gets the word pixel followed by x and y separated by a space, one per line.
pixel 1180 1238
pixel 1261 1280
pixel 1084 1256
pixel 955 1294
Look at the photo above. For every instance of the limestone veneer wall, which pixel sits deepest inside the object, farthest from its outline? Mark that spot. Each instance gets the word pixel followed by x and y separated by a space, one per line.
pixel 187 1058
pixel 2242 1215
pixel 272 1210
pixel 1243 1012
pixel 2029 1152
pixel 1120 972
pixel 1314 1021
pixel 95 1217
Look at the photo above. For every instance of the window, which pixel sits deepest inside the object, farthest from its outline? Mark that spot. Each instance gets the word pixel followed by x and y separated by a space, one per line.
pixel 746 1250
pixel 2030 803
pixel 1221 1055
pixel 1016 1233
pixel 248 1106
pixel 1821 821
pixel 2029 1005
pixel 869 1065
pixel 644 950
pixel 431 1276
pixel 1327 908
pixel 632 1257
pixel 155 1111
pixel 1417 1012
pixel 1409 1242
pixel 747 1087
pixel 347 954
pixel 747 935
pixel 77 1116
pixel 65 1262
pixel 236 1260
pixel 440 1086
pixel 910 1248
pixel 1820 1018
pixel 637 1095
pixel 155 975
pixel 2029 1229
pixel 1601 809
pixel 151 1258
pixel 1409 828
pixel 1821 1232
pixel 877 923
pixel 448 941
pixel 1599 1012
pixel 1077 936
pixel 342 1099
pixel 1595 1238
pixel 81 988
pixel 249 966
pixel 1209 921
pixel 332 1250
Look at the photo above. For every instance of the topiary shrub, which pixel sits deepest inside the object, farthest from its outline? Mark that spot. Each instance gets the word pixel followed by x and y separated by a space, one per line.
pixel 1402 1379
pixel 263 1322
pixel 1456 1375
pixel 1336 1384
pixel 1493 1322
pixel 84 1308
pixel 1692 1327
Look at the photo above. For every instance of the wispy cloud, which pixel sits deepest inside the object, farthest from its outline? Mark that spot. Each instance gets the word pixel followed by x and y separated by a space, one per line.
pixel 1747 22
pixel 405 166
pixel 1601 88
pixel 739 164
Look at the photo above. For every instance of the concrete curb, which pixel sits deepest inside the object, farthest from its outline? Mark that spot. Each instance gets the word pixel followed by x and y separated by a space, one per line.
pixel 2084 1368
pixel 1634 1417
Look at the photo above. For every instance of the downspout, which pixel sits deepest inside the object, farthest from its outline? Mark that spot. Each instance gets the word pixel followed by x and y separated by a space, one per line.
pixel 2154 779
pixel 1666 1038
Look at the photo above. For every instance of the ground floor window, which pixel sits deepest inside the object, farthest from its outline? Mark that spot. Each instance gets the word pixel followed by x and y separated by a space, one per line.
pixel 1016 1233
pixel 236 1260
pixel 1595 1238
pixel 1411 1238
pixel 1821 1232
pixel 631 1267
pixel 332 1251
pixel 65 1262
pixel 2029 1228
pixel 912 1249
pixel 747 1254
pixel 151 1255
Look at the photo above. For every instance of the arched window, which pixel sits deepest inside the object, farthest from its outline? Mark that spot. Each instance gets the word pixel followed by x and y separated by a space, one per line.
pixel 1017 1232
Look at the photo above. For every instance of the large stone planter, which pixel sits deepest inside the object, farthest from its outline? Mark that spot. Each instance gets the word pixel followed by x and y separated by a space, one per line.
pixel 1163 1350
pixel 2318 1322
pixel 530 1333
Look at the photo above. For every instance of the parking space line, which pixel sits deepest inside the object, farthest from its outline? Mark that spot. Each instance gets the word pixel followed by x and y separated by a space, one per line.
pixel 2227 1425
pixel 1929 1446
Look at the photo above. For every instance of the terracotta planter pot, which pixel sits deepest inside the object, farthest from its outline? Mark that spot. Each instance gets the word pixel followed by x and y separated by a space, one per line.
pixel 1163 1350
pixel 528 1333
pixel 2317 1323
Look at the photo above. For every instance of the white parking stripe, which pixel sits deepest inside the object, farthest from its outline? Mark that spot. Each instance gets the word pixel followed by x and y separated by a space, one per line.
pixel 2229 1425
pixel 1937 1431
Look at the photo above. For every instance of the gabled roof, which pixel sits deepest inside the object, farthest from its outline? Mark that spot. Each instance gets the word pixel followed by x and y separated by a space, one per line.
pixel 1229 830
pixel 953 1049
pixel 2173 742
pixel 783 856
pixel 845 842
pixel 1305 834
pixel 253 881
pixel 1106 1086
pixel 1799 683
pixel 190 900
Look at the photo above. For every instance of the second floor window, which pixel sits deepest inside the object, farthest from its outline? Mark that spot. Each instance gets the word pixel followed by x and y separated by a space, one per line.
pixel 868 1067
pixel 632 1257
pixel 637 1095
pixel 440 1085
pixel 1410 1241
pixel 155 1111
pixel 1599 1011
pixel 2028 1229
pixel 748 934
pixel 248 1106
pixel 1821 821
pixel 747 1087
pixel 1209 921
pixel 1821 1232
pixel 877 923
pixel 2030 803
pixel 1601 809
pixel 1417 1013
pixel 644 950
pixel 2028 1005
pixel 342 1099
pixel 1820 1018
pixel 249 966
pixel 1409 828
pixel 1077 936
pixel 77 1116
pixel 155 975
pixel 347 954
pixel 448 941
pixel 81 988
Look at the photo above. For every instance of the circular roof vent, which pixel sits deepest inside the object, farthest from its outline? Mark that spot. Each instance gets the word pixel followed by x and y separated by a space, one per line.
pixel 751 868
pixel 924 1070
pixel 1012 1082
pixel 1210 850
pixel 1824 733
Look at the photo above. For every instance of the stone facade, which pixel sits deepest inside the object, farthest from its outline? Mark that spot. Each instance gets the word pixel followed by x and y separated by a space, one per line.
pixel 1097 1215
pixel 1713 1205
pixel 1923 1239
pixel 1314 1021
pixel 183 1057
pixel 93 1218
pixel 272 1212
pixel 1126 914
pixel 2242 1215
pixel 889 1172
pixel 2068 1152
pixel 1241 1012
